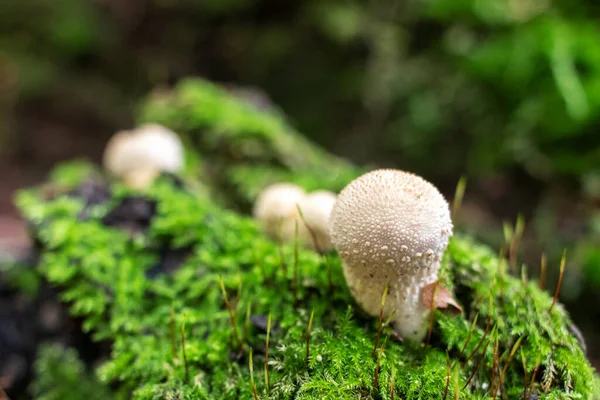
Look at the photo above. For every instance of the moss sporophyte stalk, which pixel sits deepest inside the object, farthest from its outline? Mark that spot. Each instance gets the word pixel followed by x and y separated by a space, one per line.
pixel 119 276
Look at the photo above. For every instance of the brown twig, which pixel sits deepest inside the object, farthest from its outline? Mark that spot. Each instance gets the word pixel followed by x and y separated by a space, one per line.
pixel 535 370
pixel 478 363
pixel 487 328
pixel 310 322
pixel 380 323
pixel 493 389
pixel 563 261
pixel 378 366
pixel 469 335
pixel 431 311
pixel 543 268
pixel 230 310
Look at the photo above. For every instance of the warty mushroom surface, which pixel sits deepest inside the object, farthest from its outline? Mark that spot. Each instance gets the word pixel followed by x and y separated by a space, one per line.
pixel 391 227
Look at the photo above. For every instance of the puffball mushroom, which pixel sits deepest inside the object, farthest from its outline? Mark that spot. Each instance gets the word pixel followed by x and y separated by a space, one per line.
pixel 391 226
pixel 138 156
pixel 276 209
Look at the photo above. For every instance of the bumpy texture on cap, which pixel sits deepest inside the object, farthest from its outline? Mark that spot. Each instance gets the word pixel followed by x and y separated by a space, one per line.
pixel 391 226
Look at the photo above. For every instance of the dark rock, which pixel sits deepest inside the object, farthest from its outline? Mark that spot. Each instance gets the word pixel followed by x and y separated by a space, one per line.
pixel 134 214
pixel 93 192
pixel 260 321
pixel 170 261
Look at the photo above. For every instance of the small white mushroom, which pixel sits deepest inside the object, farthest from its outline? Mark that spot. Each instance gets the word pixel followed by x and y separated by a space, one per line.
pixel 276 210
pixel 316 208
pixel 138 156
pixel 390 226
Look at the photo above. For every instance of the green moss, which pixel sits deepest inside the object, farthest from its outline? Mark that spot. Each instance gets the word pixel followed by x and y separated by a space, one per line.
pixel 120 284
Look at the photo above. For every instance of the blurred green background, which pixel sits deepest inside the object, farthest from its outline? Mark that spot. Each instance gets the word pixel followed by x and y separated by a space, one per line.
pixel 505 92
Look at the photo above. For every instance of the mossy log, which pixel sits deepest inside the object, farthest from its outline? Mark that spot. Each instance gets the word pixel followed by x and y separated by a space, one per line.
pixel 183 285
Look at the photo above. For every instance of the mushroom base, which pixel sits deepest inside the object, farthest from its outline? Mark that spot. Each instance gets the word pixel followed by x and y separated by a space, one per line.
pixel 404 296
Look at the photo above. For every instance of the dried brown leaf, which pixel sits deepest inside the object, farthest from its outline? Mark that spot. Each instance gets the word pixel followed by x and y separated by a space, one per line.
pixel 443 299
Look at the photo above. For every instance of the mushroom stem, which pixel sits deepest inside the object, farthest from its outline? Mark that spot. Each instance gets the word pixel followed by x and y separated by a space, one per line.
pixel 411 321
pixel 410 315
pixel 140 178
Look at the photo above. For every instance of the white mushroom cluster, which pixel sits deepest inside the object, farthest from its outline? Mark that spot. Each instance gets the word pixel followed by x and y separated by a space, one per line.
pixel 276 209
pixel 391 227
pixel 140 155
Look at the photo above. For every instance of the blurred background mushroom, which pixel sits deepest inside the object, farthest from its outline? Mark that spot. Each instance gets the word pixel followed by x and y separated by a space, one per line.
pixel 284 207
pixel 137 157
pixel 277 212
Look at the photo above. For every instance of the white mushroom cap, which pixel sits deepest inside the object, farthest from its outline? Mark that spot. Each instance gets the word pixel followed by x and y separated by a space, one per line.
pixel 139 155
pixel 390 226
pixel 316 208
pixel 276 210
pixel 117 146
